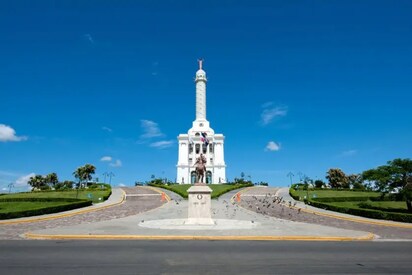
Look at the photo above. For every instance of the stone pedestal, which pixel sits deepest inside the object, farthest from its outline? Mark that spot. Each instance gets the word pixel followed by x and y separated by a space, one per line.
pixel 199 211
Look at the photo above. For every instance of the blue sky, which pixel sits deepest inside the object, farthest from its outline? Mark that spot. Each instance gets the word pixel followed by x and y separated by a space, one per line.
pixel 298 86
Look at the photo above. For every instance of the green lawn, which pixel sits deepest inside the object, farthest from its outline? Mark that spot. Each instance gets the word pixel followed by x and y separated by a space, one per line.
pixel 87 194
pixel 217 189
pixel 390 205
pixel 8 207
pixel 335 193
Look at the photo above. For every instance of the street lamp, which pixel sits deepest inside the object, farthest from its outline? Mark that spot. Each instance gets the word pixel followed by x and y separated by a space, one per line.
pixel 110 177
pixel 105 174
pixel 10 186
pixel 290 175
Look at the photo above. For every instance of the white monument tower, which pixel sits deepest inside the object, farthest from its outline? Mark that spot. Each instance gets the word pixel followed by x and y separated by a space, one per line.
pixel 201 139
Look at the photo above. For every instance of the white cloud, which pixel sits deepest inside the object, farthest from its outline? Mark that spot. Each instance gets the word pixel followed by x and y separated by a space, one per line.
pixel 162 144
pixel 269 112
pixel 106 158
pixel 22 181
pixel 349 153
pixel 117 163
pixel 267 104
pixel 9 134
pixel 107 129
pixel 121 185
pixel 272 146
pixel 8 174
pixel 4 189
pixel 89 38
pixel 150 129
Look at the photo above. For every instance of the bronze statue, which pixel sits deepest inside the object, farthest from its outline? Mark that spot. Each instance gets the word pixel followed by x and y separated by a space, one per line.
pixel 200 168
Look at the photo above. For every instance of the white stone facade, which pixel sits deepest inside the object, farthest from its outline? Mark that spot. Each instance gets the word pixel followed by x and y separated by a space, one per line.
pixel 191 145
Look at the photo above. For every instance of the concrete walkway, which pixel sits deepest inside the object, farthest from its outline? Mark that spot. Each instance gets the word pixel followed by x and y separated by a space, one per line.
pixel 231 223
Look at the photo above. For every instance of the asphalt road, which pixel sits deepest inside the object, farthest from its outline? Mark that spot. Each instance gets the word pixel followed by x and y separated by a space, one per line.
pixel 204 257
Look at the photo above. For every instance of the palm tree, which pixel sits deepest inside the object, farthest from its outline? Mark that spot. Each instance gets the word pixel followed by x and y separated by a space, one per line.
pixel 36 182
pixel 52 179
pixel 84 173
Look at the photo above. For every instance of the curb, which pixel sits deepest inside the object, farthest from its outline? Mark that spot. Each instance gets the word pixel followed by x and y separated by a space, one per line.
pixel 232 199
pixel 64 215
pixel 381 223
pixel 368 237
pixel 355 219
pixel 158 191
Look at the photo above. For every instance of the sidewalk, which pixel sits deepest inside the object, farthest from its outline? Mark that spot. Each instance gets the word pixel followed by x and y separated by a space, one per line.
pixel 284 192
pixel 117 197
pixel 231 223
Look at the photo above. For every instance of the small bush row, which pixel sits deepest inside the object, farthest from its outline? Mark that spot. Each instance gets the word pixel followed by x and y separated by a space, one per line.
pixel 367 205
pixel 46 210
pixel 368 213
pixel 233 187
pixel 39 199
pixel 167 187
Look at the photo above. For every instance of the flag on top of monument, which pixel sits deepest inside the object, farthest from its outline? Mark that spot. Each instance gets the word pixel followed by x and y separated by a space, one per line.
pixel 204 139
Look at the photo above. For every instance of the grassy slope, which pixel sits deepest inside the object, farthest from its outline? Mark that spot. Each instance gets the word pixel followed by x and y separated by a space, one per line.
pixel 216 188
pixel 381 204
pixel 334 193
pixel 83 194
pixel 7 207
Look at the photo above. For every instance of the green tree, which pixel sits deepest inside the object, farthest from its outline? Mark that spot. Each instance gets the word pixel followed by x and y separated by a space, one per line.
pixel 84 173
pixel 336 178
pixel 319 183
pixel 397 174
pixel 51 179
pixel 67 184
pixel 381 177
pixel 37 182
pixel 402 178
pixel 402 171
pixel 355 181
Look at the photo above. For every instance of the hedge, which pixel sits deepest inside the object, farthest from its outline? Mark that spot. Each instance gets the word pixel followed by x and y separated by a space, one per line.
pixel 39 199
pixel 69 205
pixel 234 187
pixel 368 213
pixel 292 193
pixel 181 193
pixel 185 195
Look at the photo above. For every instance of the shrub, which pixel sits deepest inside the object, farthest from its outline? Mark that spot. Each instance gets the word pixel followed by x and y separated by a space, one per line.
pixel 368 213
pixel 67 204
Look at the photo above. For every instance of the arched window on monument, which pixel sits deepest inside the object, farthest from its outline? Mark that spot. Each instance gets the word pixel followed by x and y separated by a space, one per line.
pixel 208 177
pixel 211 148
pixel 190 148
pixel 204 147
pixel 197 148
pixel 193 177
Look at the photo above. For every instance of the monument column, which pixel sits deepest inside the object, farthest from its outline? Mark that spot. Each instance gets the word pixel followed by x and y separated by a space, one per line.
pixel 200 92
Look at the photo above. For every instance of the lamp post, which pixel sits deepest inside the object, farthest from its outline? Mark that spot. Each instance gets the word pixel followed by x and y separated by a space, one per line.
pixel 110 177
pixel 10 186
pixel 290 175
pixel 300 176
pixel 105 174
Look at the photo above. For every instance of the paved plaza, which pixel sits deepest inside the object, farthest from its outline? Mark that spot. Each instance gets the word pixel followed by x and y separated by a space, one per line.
pixel 254 214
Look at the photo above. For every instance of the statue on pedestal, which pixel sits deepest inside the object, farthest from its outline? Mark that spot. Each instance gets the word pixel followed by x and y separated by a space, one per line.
pixel 200 168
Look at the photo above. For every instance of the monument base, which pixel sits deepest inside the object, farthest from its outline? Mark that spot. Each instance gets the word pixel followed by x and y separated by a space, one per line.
pixel 199 210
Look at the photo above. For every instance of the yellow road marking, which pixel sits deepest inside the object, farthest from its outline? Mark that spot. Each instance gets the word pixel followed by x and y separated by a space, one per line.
pixel 367 237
